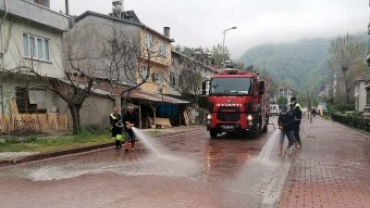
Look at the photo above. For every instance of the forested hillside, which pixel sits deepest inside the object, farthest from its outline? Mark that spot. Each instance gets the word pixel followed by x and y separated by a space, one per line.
pixel 299 64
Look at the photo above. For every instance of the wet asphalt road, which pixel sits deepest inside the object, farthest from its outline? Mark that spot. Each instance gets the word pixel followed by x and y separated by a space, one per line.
pixel 192 171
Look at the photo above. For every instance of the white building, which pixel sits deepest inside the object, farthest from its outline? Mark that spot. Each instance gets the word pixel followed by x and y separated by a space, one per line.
pixel 361 93
pixel 31 36
pixel 281 91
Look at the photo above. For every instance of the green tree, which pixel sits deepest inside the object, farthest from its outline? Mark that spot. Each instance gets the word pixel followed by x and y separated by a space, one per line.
pixel 217 54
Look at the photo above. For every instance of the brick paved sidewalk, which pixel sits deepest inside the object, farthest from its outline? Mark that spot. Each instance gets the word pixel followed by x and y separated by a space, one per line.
pixel 332 169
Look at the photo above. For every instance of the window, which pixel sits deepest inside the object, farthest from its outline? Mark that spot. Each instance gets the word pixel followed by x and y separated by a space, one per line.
pixel 149 41
pixel 31 101
pixel 157 77
pixel 36 47
pixel 162 49
pixel 173 79
pixel 144 72
pixel 231 86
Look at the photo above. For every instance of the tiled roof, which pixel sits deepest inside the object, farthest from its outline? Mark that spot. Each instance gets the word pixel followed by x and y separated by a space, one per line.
pixel 155 97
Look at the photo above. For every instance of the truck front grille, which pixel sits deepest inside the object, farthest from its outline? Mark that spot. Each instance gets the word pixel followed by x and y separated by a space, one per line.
pixel 228 116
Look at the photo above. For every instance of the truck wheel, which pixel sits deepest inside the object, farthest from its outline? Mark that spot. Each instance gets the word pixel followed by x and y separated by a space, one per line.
pixel 213 133
pixel 264 130
pixel 258 130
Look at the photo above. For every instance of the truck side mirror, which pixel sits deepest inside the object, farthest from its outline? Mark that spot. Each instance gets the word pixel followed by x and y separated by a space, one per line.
pixel 261 87
pixel 204 87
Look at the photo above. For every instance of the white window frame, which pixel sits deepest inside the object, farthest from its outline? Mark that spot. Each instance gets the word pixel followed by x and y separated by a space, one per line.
pixel 144 73
pixel 45 54
pixel 149 41
pixel 158 76
pixel 162 48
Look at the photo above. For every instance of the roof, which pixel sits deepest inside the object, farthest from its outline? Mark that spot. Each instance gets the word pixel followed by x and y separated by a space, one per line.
pixel 363 78
pixel 131 22
pixel 131 14
pixel 82 85
pixel 198 62
pixel 107 90
pixel 216 67
pixel 155 97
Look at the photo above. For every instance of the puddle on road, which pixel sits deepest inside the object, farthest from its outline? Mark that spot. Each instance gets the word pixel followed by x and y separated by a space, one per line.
pixel 159 161
pixel 261 178
pixel 264 176
pixel 162 165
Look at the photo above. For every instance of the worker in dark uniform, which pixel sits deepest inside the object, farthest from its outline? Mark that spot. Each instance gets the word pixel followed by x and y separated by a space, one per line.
pixel 130 119
pixel 285 122
pixel 297 116
pixel 117 127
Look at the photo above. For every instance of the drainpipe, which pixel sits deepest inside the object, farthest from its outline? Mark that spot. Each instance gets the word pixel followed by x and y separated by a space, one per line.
pixel 2 99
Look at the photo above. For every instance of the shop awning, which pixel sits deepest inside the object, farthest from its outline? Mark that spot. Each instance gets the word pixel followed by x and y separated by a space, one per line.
pixel 156 97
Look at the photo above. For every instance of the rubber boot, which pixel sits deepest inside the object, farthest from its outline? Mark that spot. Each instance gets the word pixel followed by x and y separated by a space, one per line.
pixel 117 144
pixel 127 144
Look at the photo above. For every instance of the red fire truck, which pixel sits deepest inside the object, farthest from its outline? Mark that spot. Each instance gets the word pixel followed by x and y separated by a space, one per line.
pixel 238 102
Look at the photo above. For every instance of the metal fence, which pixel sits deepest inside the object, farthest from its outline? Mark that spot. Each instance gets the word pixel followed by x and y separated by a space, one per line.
pixel 355 122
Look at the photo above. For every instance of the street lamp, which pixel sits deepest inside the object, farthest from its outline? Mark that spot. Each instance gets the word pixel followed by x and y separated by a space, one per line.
pixel 223 45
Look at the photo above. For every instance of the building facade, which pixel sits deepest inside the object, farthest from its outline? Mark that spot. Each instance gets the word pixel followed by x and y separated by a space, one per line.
pixel 280 92
pixel 191 71
pixel 31 39
pixel 156 56
pixel 360 93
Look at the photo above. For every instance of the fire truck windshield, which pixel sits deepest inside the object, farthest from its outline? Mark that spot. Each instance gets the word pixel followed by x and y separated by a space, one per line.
pixel 231 86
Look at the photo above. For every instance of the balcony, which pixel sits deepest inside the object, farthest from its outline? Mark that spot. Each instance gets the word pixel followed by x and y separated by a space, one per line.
pixel 36 13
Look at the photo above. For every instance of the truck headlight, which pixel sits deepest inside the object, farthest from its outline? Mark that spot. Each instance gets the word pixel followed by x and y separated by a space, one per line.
pixel 209 117
pixel 250 118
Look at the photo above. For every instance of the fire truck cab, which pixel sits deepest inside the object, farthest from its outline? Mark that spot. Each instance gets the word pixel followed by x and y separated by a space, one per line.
pixel 238 102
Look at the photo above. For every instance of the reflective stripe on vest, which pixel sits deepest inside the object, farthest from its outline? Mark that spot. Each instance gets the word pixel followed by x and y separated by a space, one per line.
pixel 297 105
pixel 112 115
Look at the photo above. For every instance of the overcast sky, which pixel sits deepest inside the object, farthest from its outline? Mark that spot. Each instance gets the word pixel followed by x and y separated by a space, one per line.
pixel 201 22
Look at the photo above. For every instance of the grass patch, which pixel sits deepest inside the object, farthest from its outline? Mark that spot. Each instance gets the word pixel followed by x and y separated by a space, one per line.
pixel 48 144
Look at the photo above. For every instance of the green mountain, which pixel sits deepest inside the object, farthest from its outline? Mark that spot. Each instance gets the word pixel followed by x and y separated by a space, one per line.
pixel 298 64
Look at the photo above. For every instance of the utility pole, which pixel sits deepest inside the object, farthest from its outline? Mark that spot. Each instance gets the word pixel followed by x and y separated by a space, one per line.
pixel 223 45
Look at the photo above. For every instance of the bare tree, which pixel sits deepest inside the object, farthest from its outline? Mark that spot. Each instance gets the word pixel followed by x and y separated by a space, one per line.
pixel 189 78
pixel 347 54
pixel 86 67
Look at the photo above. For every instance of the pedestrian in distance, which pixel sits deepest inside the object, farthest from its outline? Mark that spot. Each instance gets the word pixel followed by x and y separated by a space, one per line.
pixel 131 119
pixel 116 127
pixel 285 122
pixel 297 116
